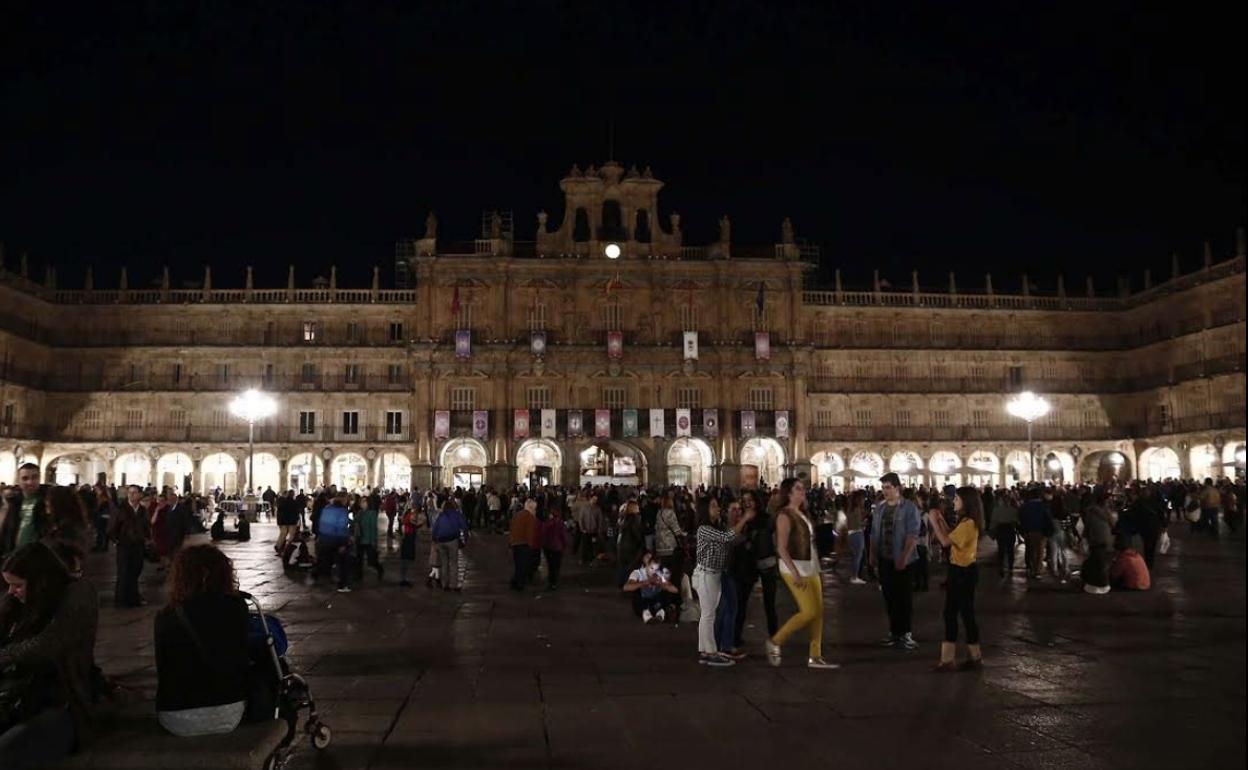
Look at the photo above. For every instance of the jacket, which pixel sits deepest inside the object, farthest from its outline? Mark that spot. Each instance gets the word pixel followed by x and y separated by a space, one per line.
pixel 666 530
pixel 366 527
pixel 130 526
pixel 523 530
pixel 448 525
pixel 905 524
pixel 799 536
pixel 184 679
pixel 334 522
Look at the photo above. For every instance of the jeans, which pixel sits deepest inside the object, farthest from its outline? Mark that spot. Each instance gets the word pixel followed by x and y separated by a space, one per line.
pixel 521 559
pixel 285 534
pixel 1006 536
pixel 1034 552
pixel 809 613
pixel 960 602
pixel 708 585
pixel 726 614
pixel 768 577
pixel 129 567
pixel 37 742
pixel 1057 554
pixel 856 543
pixel 448 563
pixel 1209 520
pixel 366 553
pixel 331 552
pixel 100 520
pixel 554 560
pixel 674 563
pixel 898 586
pixel 920 568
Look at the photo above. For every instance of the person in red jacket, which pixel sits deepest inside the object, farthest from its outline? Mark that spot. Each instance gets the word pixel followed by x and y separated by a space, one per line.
pixel 553 535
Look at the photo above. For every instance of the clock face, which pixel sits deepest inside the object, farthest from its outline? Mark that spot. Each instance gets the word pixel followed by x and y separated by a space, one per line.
pixel 539 345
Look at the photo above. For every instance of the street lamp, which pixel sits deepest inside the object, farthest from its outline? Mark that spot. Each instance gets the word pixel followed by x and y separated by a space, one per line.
pixel 252 405
pixel 1030 407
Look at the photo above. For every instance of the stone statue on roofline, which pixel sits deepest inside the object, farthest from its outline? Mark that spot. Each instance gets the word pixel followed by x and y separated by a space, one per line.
pixel 725 229
pixel 786 231
pixel 431 227
pixel 496 225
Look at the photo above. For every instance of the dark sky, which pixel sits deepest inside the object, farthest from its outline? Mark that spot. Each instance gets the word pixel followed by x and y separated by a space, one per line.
pixel 1090 136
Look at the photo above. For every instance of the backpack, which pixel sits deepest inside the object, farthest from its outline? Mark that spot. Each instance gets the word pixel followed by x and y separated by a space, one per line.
pixel 334 522
pixel 445 528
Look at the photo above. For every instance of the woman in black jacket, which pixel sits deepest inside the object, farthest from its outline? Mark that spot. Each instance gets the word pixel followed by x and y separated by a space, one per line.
pixel 202 659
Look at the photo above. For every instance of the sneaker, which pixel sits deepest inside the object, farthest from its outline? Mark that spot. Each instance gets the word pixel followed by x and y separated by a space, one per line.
pixel 908 642
pixel 660 616
pixel 821 664
pixel 344 590
pixel 720 661
pixel 773 652
pixel 889 641
pixel 734 654
pixel 646 615
pixel 857 581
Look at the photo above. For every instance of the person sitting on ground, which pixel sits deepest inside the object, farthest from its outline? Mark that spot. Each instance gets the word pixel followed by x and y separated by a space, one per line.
pixel 202 657
pixel 654 596
pixel 1128 571
pixel 48 624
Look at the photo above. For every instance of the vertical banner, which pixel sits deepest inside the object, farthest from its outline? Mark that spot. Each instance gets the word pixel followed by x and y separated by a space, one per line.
pixel 691 346
pixel 747 423
pixel 762 346
pixel 441 424
pixel 574 423
pixel 656 423
pixel 615 344
pixel 548 423
pixel 630 423
pixel 463 343
pixel 537 343
pixel 684 424
pixel 520 424
pixel 782 424
pixel 710 423
pixel 602 423
pixel 480 424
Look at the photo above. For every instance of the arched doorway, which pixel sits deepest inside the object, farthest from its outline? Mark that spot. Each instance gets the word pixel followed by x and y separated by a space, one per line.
pixel 174 470
pixel 1056 467
pixel 1105 467
pixel 305 471
pixel 75 469
pixel 463 463
pixel 762 462
pixel 1160 462
pixel 1205 462
pixel 220 471
pixel 829 469
pixel 909 468
pixel 133 468
pixel 349 471
pixel 689 462
pixel 396 471
pixel 945 467
pixel 1233 459
pixel 616 462
pixel 1016 468
pixel 8 468
pixel 538 463
pixel 983 468
pixel 866 468
pixel 268 471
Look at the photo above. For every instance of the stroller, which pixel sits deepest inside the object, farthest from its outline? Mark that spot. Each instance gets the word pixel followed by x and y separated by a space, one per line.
pixel 267 646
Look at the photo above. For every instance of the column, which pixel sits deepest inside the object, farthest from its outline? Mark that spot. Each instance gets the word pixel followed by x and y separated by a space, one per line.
pixel 283 480
pixel 197 476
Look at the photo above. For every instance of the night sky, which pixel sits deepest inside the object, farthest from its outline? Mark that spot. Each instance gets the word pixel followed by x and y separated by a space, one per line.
pixel 1007 137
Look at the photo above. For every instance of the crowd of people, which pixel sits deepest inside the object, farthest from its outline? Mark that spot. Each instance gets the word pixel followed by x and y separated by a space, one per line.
pixel 677 554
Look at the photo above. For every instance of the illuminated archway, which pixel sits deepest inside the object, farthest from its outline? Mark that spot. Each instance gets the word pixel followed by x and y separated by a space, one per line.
pixel 1016 470
pixel 133 468
pixel 983 468
pixel 1160 462
pixel 689 462
pixel 1105 466
pixel 8 468
pixel 463 462
pixel 829 468
pixel 74 468
pixel 220 471
pixel 396 471
pixel 539 462
pixel 1233 459
pixel 305 471
pixel 1056 467
pixel 762 461
pixel 909 468
pixel 866 468
pixel 268 472
pixel 349 471
pixel 945 468
pixel 174 470
pixel 1205 462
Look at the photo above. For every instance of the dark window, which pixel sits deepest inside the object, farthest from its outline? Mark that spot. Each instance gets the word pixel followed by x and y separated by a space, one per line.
pixel 580 226
pixel 612 223
pixel 641 233
pixel 394 423
pixel 307 423
pixel 350 423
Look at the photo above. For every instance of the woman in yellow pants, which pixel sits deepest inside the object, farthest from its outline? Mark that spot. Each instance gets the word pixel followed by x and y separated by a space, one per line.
pixel 799 567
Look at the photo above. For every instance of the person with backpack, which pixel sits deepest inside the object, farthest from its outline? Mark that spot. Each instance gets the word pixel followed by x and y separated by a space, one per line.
pixel 448 529
pixel 333 542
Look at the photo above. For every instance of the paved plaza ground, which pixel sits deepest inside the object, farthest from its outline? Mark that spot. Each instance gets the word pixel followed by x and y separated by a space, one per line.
pixel 489 678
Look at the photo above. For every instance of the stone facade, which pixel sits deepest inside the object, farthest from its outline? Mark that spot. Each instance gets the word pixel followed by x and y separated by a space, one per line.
pixel 136 383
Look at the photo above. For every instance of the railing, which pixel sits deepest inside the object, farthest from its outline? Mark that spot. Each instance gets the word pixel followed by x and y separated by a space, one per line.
pixel 995 432
pixel 1011 340
pixel 962 385
pixel 90 338
pixel 224 434
pixel 208 383
pixel 231 296
pixel 1197 422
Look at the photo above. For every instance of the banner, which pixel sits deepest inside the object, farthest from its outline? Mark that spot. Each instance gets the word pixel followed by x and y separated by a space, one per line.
pixel 762 346
pixel 710 423
pixel 691 346
pixel 463 343
pixel 537 343
pixel 684 424
pixel 656 422
pixel 747 423
pixel 782 424
pixel 480 424
pixel 548 423
pixel 602 423
pixel 441 424
pixel 630 423
pixel 520 424
pixel 615 344
pixel 574 423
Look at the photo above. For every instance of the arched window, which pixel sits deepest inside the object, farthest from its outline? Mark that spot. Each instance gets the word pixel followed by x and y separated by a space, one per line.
pixel 641 229
pixel 580 226
pixel 612 223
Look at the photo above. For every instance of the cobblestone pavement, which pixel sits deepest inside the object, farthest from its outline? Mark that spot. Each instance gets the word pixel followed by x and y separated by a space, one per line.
pixel 570 679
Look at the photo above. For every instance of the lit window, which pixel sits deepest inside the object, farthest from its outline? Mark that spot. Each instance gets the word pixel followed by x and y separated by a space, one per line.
pixel 310 331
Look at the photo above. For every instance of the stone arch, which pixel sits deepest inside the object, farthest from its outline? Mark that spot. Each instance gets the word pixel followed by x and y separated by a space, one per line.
pixel 689 462
pixel 174 469
pixel 982 468
pixel 268 472
pixel 538 461
pixel 908 466
pixel 132 467
pixel 619 452
pixel 305 471
pixel 8 467
pixel 219 470
pixel 1056 467
pixel 945 468
pixel 72 467
pixel 396 470
pixel 1160 462
pixel 1205 462
pixel 1233 459
pixel 463 461
pixel 1105 465
pixel 762 460
pixel 829 469
pixel 1016 467
pixel 349 471
pixel 865 468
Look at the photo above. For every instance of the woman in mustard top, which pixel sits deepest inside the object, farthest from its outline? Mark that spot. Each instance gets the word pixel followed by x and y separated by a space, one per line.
pixel 961 578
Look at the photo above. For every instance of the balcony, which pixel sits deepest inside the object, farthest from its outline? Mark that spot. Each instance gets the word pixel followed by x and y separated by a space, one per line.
pixel 231 434
pixel 996 432
pixel 1197 422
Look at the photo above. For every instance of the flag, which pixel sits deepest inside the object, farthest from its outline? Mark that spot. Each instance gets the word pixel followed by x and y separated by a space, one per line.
pixel 782 424
pixel 747 423
pixel 615 344
pixel 612 285
pixel 480 424
pixel 761 298
pixel 691 346
pixel 630 423
pixel 684 423
pixel 520 424
pixel 656 423
pixel 762 346
pixel 537 343
pixel 455 301
pixel 463 343
pixel 548 423
pixel 574 423
pixel 441 424
pixel 710 423
pixel 602 423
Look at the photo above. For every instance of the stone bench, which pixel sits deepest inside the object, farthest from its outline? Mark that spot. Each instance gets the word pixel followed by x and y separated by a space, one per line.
pixel 133 741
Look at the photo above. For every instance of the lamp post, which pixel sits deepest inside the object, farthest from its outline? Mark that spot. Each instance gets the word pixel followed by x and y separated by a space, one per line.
pixel 252 405
pixel 1029 407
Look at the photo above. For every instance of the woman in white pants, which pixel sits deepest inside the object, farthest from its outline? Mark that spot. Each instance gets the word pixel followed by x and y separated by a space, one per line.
pixel 714 545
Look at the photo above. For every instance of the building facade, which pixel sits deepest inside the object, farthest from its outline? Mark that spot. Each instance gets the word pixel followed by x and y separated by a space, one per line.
pixel 547 360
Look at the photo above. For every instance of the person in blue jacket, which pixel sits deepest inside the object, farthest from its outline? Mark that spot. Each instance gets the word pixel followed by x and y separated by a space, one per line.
pixel 893 551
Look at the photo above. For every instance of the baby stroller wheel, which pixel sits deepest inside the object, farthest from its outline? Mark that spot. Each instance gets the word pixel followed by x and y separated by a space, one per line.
pixel 321 736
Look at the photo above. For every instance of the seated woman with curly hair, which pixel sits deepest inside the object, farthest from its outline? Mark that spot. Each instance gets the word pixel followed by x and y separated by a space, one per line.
pixel 201 646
